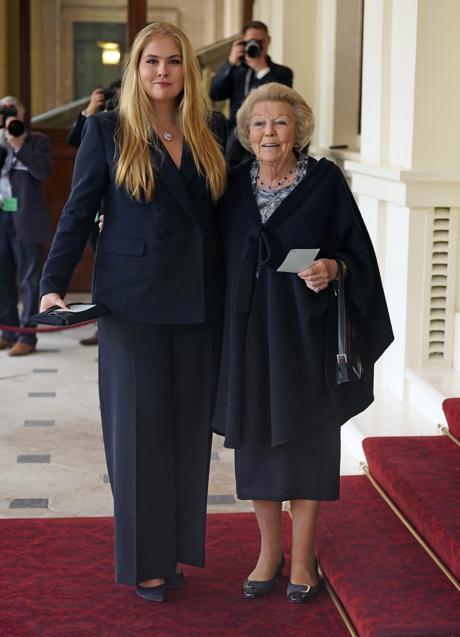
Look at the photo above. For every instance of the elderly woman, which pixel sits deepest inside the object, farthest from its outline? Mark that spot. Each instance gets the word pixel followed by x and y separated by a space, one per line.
pixel 279 404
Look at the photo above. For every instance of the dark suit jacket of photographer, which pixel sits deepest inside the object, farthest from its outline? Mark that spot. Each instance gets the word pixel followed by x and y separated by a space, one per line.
pixel 31 220
pixel 74 136
pixel 230 82
pixel 156 262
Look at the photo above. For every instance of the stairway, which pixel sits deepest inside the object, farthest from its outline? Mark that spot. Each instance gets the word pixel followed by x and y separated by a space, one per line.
pixel 389 583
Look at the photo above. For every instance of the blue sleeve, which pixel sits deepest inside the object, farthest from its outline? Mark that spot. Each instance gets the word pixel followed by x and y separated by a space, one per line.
pixel 90 179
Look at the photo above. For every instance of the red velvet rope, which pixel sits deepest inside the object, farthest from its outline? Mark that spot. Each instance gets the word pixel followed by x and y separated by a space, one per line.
pixel 37 330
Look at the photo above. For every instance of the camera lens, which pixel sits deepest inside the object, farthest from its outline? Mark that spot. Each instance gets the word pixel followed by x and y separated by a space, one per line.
pixel 253 48
pixel 16 128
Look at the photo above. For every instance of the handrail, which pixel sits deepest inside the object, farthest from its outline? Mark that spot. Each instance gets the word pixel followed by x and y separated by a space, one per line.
pixel 70 108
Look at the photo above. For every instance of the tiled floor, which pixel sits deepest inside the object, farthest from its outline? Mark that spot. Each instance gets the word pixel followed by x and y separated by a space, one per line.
pixel 51 453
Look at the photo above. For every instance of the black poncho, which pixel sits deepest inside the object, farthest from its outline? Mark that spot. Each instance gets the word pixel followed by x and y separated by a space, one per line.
pixel 277 374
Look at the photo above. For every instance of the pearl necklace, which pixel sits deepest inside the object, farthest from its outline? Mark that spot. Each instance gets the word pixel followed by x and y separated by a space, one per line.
pixel 279 183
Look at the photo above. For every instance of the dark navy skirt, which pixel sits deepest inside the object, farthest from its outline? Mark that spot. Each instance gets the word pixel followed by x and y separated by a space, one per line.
pixel 305 468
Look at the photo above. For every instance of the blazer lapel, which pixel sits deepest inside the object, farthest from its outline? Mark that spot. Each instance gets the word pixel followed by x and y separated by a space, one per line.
pixel 172 179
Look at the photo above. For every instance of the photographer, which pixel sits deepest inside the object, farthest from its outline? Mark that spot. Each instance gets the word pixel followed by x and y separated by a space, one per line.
pixel 102 99
pixel 247 67
pixel 24 222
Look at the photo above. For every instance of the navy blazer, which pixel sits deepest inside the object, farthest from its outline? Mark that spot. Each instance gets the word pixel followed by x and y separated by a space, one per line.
pixel 31 220
pixel 157 262
pixel 230 81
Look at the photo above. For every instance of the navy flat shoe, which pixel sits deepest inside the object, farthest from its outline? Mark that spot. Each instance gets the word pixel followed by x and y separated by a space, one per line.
pixel 175 581
pixel 254 588
pixel 152 593
pixel 301 593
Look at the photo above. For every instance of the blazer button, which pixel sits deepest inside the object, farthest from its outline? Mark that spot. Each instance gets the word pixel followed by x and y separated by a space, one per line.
pixel 164 232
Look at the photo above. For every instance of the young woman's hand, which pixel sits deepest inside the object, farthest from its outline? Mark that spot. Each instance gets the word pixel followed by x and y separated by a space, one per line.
pixel 48 300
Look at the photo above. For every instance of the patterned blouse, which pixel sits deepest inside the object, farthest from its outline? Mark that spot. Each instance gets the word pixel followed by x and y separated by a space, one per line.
pixel 269 200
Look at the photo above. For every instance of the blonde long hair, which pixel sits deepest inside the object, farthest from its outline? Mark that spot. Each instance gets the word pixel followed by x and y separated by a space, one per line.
pixel 136 128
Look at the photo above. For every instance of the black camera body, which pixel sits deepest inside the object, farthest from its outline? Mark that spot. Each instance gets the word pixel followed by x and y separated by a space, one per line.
pixel 252 48
pixel 110 98
pixel 7 110
pixel 15 128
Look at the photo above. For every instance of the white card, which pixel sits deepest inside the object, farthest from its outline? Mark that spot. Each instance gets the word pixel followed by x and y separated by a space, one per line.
pixel 81 307
pixel 298 259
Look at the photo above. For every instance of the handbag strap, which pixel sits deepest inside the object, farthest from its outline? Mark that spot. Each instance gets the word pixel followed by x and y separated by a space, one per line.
pixel 341 317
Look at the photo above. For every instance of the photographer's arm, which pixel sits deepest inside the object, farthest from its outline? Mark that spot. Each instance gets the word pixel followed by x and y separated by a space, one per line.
pixel 222 82
pixel 90 179
pixel 96 102
pixel 36 156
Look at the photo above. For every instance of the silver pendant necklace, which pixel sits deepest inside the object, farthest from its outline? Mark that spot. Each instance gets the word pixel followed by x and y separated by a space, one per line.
pixel 168 136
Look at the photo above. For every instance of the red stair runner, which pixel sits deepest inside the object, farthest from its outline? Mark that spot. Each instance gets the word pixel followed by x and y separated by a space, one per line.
pixel 422 477
pixel 56 580
pixel 451 407
pixel 387 583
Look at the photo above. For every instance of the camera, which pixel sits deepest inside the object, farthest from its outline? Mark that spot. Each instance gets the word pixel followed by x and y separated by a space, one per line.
pixel 252 48
pixel 111 95
pixel 15 127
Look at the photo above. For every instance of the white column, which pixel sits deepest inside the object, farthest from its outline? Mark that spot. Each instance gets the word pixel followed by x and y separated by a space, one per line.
pixel 410 164
pixel 292 26
pixel 233 12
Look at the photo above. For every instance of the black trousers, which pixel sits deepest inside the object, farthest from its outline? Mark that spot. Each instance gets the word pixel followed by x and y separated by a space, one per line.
pixel 20 266
pixel 157 389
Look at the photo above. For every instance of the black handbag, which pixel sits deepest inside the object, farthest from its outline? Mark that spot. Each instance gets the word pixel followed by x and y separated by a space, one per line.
pixel 77 313
pixel 349 366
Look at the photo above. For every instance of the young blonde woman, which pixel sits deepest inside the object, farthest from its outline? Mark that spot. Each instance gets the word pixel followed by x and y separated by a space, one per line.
pixel 158 166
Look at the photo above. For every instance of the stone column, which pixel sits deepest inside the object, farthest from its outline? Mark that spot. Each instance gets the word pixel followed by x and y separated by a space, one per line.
pixel 408 178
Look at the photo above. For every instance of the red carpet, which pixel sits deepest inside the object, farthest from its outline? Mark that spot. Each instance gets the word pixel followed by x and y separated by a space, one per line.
pixel 421 475
pixel 451 407
pixel 389 586
pixel 56 580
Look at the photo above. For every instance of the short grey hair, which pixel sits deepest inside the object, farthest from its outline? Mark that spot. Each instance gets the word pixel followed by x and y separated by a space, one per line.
pixel 274 92
pixel 9 99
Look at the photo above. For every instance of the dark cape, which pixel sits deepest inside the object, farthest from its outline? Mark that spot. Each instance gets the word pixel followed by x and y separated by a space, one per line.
pixel 277 375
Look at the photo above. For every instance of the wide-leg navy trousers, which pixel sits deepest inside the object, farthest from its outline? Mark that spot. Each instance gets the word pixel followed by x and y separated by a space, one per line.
pixel 157 389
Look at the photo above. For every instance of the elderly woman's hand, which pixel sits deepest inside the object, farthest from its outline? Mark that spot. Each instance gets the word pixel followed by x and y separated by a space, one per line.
pixel 319 274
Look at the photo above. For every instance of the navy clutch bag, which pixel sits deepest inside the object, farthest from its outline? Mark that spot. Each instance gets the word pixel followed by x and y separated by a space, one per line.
pixel 77 313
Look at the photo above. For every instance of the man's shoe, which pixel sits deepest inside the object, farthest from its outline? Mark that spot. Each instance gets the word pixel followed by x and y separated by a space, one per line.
pixel 254 588
pixel 152 593
pixel 91 340
pixel 21 349
pixel 5 344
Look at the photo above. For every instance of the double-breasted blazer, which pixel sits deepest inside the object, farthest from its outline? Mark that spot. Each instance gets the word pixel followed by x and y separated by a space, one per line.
pixel 156 262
